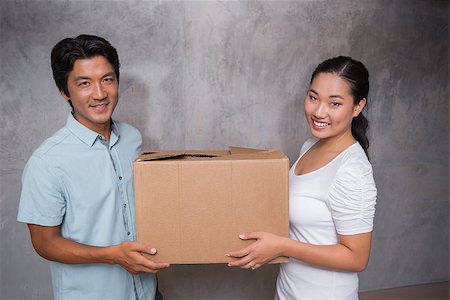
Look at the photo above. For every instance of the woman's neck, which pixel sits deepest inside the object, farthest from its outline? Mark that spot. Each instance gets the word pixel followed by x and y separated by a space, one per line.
pixel 336 143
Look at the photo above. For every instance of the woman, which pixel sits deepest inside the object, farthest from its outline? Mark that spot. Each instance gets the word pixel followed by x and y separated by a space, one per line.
pixel 332 193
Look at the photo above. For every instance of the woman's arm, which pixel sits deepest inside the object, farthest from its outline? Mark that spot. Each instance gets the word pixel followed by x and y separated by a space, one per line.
pixel 350 254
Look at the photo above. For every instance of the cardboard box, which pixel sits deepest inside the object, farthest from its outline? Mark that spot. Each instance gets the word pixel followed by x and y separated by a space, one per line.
pixel 192 205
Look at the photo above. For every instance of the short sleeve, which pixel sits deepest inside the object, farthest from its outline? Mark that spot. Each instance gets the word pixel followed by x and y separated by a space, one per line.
pixel 41 201
pixel 352 198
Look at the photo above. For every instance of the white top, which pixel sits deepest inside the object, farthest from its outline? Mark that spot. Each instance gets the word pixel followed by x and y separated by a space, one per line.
pixel 338 198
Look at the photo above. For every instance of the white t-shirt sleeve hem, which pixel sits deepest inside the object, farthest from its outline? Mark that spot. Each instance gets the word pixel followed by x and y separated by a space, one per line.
pixel 356 231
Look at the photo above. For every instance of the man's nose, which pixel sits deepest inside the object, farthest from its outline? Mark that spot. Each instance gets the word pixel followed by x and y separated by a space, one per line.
pixel 99 92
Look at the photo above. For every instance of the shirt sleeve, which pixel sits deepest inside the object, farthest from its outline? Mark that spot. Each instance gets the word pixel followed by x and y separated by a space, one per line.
pixel 139 144
pixel 352 198
pixel 42 201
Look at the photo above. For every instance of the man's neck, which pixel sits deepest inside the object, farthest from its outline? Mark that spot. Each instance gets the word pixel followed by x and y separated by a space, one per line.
pixel 102 129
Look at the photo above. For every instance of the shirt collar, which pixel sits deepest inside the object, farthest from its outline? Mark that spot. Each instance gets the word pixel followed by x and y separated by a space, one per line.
pixel 87 135
pixel 115 134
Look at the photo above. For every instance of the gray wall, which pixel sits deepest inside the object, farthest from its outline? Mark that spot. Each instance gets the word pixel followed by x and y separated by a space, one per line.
pixel 207 75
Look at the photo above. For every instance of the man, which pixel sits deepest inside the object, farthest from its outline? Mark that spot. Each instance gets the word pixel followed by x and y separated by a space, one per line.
pixel 77 194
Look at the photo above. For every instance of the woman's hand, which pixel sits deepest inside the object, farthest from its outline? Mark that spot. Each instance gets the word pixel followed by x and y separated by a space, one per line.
pixel 266 247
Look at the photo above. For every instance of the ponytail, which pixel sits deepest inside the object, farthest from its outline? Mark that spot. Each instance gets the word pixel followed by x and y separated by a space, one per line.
pixel 359 130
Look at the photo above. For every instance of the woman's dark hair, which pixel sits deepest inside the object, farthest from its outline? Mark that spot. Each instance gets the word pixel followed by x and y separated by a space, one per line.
pixel 66 52
pixel 357 76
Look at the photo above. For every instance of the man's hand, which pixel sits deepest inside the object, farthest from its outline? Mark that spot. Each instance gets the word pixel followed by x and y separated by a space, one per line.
pixel 264 249
pixel 130 256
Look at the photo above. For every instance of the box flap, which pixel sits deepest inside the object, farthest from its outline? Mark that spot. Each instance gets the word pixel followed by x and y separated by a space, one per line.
pixel 241 150
pixel 234 153
pixel 176 154
pixel 160 155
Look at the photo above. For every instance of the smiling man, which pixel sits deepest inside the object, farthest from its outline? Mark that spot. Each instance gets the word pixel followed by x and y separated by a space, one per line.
pixel 77 187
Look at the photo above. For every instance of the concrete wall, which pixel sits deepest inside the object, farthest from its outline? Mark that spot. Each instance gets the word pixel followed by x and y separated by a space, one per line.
pixel 212 74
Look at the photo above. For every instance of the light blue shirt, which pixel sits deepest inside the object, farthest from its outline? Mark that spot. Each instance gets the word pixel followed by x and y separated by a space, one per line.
pixel 84 183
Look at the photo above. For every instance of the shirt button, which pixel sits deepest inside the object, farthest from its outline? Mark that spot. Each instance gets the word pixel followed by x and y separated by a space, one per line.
pixel 125 205
pixel 128 233
pixel 120 177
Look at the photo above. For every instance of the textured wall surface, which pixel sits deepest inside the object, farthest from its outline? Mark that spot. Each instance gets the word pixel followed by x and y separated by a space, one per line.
pixel 210 74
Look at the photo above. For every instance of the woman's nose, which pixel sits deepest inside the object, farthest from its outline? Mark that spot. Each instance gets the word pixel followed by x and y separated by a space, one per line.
pixel 320 111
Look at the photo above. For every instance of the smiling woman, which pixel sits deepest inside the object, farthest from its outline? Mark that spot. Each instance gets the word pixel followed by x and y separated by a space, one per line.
pixel 329 107
pixel 332 194
pixel 351 78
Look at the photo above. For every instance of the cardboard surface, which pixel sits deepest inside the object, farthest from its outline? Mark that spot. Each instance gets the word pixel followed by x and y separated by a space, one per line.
pixel 192 205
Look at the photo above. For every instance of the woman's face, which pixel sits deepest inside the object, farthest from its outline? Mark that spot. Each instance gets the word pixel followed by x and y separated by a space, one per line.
pixel 329 107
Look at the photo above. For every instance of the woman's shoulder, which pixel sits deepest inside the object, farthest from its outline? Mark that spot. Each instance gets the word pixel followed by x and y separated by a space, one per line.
pixel 355 161
pixel 308 144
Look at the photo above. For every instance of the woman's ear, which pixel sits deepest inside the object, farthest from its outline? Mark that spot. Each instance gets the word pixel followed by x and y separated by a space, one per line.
pixel 357 108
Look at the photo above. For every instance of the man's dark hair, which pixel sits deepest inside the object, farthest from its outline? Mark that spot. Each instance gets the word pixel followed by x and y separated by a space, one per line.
pixel 84 46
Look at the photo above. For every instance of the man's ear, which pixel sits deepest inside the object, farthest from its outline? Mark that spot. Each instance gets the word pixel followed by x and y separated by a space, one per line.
pixel 64 95
pixel 359 107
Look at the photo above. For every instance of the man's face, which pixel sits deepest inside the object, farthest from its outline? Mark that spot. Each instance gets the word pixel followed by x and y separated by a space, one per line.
pixel 93 89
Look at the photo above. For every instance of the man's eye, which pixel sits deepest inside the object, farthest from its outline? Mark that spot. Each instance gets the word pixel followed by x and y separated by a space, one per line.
pixel 335 104
pixel 108 79
pixel 312 98
pixel 83 83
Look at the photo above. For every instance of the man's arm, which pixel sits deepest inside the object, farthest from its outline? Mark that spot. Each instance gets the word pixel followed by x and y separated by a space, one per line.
pixel 49 244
